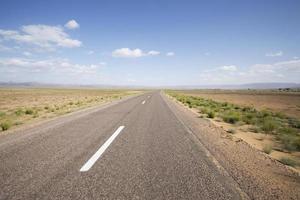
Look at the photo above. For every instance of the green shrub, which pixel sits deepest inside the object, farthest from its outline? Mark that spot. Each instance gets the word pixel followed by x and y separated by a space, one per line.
pixel 294 123
pixel 249 118
pixel 71 103
pixel 264 113
pixel 2 114
pixel 248 109
pixel 289 138
pixel 231 117
pixel 267 149
pixel 210 114
pixel 46 107
pixel 19 112
pixel 5 125
pixel 224 104
pixel 254 129
pixel 269 124
pixel 288 161
pixel 29 112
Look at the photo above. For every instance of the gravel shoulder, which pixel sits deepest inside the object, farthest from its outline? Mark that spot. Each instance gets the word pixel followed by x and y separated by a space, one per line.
pixel 259 176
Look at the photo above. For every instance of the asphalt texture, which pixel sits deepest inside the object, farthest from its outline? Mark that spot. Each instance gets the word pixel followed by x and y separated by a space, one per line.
pixel 153 157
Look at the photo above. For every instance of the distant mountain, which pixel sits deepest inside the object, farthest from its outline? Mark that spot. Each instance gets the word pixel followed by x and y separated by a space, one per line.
pixel 237 86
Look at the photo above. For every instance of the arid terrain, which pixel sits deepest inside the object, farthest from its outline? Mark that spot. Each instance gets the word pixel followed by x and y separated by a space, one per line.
pixel 268 120
pixel 287 102
pixel 22 105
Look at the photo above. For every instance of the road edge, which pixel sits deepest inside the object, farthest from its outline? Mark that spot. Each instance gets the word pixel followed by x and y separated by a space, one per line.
pixel 220 168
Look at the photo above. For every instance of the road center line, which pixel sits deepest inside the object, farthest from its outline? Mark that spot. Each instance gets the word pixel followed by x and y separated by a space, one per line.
pixel 144 102
pixel 100 151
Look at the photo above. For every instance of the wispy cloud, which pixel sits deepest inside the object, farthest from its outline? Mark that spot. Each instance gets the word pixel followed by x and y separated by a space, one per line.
pixel 170 54
pixel 72 24
pixel 26 53
pixel 153 53
pixel 134 53
pixel 63 66
pixel 231 68
pixel 274 54
pixel 42 36
pixel 288 71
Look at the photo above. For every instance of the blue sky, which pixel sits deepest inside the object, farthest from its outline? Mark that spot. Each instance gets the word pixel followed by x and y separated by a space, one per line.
pixel 151 43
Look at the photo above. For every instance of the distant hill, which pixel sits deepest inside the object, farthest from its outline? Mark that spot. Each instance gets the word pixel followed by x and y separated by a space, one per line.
pixel 238 86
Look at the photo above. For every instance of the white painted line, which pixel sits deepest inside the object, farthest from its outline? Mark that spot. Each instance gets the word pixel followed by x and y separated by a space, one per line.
pixel 100 151
pixel 144 102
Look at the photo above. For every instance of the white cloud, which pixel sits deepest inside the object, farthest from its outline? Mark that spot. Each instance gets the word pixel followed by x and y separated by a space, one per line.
pixel 286 71
pixel 42 36
pixel 274 54
pixel 63 66
pixel 229 68
pixel 170 54
pixel 134 53
pixel 72 24
pixel 128 53
pixel 153 53
pixel 207 53
pixel 26 53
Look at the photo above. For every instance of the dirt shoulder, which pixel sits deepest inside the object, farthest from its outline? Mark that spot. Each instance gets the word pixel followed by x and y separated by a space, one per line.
pixel 258 175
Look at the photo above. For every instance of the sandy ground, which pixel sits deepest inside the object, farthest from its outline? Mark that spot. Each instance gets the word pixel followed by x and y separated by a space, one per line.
pixel 47 103
pixel 287 103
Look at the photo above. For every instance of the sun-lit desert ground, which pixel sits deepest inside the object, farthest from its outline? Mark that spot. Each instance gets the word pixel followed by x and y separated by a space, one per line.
pixel 287 102
pixel 268 120
pixel 23 105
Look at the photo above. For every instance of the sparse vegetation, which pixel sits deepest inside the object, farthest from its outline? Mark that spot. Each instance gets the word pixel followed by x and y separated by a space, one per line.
pixel 288 161
pixel 19 112
pixel 2 114
pixel 231 117
pixel 20 106
pixel 267 149
pixel 28 111
pixel 210 114
pixel 5 125
pixel 285 129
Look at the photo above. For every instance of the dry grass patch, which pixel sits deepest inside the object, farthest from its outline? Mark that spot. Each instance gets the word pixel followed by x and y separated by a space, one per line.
pixel 23 105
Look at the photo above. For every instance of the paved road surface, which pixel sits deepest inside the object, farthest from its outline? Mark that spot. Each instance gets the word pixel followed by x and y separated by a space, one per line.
pixel 152 157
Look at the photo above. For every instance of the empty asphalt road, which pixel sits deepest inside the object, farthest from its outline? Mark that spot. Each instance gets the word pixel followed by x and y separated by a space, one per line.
pixel 134 149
